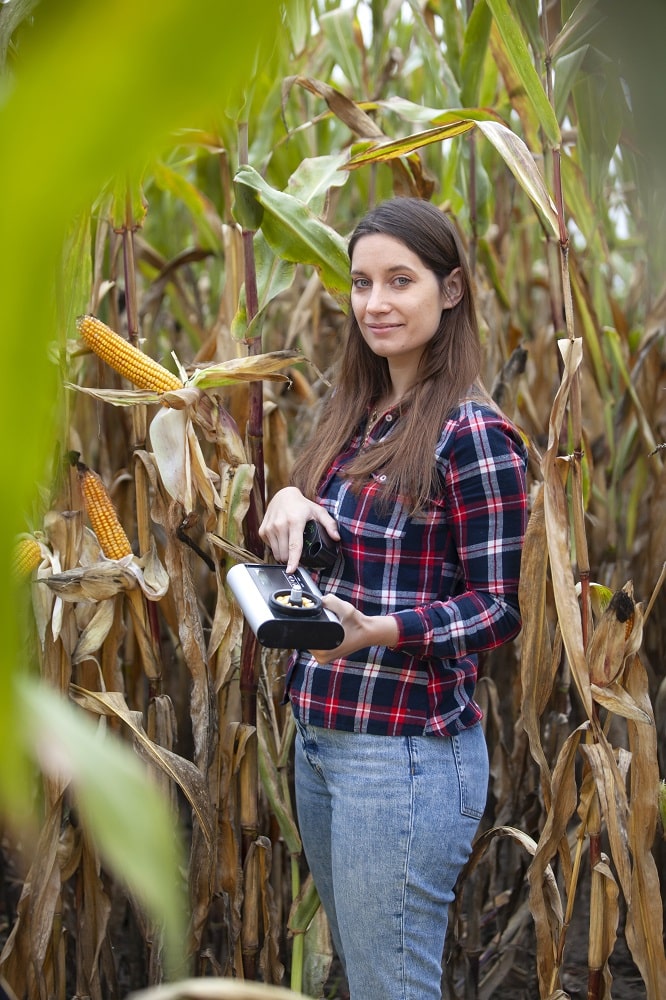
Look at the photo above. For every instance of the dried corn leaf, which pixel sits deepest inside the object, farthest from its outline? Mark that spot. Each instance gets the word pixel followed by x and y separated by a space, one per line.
pixel 25 954
pixel 612 796
pixel 604 918
pixel 617 700
pixel 120 397
pixel 178 769
pixel 553 838
pixel 161 729
pixel 501 776
pixel 93 583
pixel 644 927
pixel 536 668
pixel 94 914
pixel 220 429
pixel 95 632
pixel 234 551
pixel 556 515
pixel 549 882
pixel 270 965
pixel 259 367
pixel 169 441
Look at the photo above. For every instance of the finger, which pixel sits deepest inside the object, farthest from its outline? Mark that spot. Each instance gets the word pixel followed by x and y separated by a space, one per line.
pixel 294 551
pixel 334 604
pixel 328 523
pixel 322 656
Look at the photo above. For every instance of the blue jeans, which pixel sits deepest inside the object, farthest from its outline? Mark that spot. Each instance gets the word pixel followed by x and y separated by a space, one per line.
pixel 387 823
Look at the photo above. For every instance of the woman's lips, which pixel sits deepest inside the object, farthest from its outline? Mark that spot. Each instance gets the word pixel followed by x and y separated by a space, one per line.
pixel 381 327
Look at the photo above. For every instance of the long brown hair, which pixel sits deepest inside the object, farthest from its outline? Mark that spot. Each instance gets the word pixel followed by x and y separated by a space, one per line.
pixel 448 371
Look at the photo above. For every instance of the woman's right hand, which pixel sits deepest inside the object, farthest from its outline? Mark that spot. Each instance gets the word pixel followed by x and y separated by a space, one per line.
pixel 284 522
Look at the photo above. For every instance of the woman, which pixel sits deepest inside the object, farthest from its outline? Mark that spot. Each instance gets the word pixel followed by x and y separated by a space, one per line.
pixel 420 480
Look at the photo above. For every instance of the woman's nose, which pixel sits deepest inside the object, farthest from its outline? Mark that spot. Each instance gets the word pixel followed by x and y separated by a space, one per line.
pixel 377 300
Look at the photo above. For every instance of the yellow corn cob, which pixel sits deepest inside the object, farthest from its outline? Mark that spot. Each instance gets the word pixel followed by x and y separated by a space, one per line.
pixel 124 357
pixel 111 536
pixel 27 556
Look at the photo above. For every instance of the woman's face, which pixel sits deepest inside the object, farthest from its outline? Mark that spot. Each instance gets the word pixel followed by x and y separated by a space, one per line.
pixel 396 299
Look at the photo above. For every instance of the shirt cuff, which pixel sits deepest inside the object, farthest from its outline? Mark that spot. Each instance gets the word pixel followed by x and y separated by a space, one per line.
pixel 412 628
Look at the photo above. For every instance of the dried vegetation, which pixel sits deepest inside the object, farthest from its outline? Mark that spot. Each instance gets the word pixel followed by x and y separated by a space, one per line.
pixel 148 642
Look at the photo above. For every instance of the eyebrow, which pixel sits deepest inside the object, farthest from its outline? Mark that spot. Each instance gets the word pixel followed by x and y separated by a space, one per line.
pixel 389 270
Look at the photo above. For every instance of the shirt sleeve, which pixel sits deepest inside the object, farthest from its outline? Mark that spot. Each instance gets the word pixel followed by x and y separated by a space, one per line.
pixel 483 472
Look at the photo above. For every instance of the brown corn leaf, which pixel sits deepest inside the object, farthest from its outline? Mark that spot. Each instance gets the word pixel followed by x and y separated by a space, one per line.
pixel 26 950
pixel 536 668
pixel 180 461
pixel 232 550
pixel 644 927
pixel 553 836
pixel 614 698
pixel 610 789
pixel 93 583
pixel 95 632
pixel 269 960
pixel 258 367
pixel 94 914
pixel 220 429
pixel 353 116
pixel 604 917
pixel 169 441
pixel 154 579
pixel 161 729
pixel 178 769
pixel 557 530
pixel 120 397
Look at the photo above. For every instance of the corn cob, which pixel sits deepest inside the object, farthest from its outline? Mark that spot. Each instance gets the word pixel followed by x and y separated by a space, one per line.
pixel 110 533
pixel 27 556
pixel 125 358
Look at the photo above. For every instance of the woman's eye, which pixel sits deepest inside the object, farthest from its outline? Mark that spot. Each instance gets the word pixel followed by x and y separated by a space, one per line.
pixel 360 283
pixel 402 280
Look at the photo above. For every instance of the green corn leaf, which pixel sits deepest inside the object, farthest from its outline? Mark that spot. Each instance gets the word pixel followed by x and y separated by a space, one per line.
pixel 297 234
pixel 514 41
pixel 474 51
pixel 314 177
pixel 338 28
pixel 568 68
pixel 521 163
pixel 202 209
pixel 584 20
pixel 274 276
pixel 304 908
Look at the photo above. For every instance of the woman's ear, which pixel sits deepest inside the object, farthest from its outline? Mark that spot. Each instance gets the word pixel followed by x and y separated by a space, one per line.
pixel 452 289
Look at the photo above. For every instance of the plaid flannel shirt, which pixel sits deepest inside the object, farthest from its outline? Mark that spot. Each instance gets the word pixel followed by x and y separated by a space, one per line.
pixel 449 576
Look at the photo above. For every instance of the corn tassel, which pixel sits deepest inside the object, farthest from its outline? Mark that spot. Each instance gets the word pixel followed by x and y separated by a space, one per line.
pixel 126 359
pixel 27 556
pixel 110 533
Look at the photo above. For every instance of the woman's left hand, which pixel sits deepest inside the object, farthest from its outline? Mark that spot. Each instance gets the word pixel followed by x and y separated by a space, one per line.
pixel 360 630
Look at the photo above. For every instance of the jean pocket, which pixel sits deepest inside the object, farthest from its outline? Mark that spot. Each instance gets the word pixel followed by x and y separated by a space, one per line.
pixel 471 757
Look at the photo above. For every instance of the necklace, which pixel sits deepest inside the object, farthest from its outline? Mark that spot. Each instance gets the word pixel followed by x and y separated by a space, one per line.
pixel 377 414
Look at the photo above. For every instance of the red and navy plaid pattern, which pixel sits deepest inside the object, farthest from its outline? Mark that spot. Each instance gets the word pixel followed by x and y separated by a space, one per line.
pixel 448 574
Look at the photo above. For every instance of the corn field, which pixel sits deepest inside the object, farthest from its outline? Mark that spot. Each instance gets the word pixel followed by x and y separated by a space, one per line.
pixel 184 308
